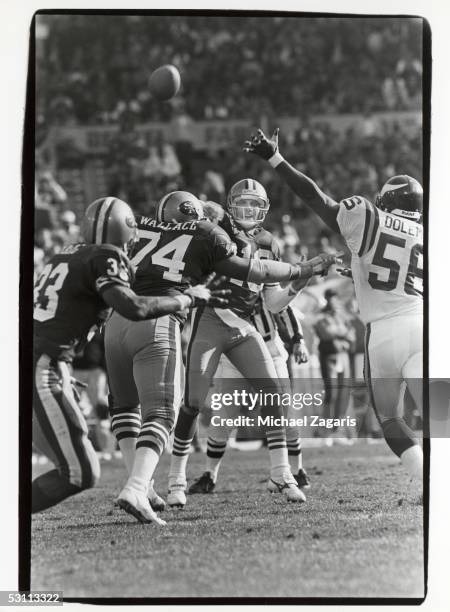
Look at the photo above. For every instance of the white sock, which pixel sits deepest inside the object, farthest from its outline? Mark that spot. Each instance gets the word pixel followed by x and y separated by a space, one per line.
pixel 145 463
pixel 212 466
pixel 295 460
pixel 128 449
pixel 278 454
pixel 412 459
pixel 177 471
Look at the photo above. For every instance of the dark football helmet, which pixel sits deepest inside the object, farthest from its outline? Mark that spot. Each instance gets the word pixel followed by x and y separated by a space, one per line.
pixel 179 206
pixel 109 221
pixel 403 196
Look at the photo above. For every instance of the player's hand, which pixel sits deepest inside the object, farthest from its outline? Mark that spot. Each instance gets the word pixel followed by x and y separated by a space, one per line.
pixel 262 146
pixel 300 352
pixel 321 264
pixel 345 272
pixel 209 293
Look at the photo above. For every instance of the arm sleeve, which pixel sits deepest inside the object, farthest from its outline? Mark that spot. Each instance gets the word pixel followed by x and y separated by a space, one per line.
pixel 358 221
pixel 259 271
pixel 274 253
pixel 276 298
pixel 109 268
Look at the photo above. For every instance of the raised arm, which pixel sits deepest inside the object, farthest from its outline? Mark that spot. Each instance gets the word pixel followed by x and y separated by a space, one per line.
pixel 261 271
pixel 303 186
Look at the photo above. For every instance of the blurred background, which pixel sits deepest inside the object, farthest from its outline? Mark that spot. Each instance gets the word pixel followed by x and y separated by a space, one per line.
pixel 346 93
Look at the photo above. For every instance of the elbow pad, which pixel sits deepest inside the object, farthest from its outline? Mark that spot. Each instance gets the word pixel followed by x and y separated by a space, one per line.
pixel 268 271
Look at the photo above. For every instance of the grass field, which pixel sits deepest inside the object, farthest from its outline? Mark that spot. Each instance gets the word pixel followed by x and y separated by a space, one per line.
pixel 358 535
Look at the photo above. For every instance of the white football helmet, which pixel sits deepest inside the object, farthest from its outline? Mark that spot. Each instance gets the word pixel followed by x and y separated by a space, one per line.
pixel 247 203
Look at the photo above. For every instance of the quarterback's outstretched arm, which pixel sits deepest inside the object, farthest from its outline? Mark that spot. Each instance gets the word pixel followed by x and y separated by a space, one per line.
pixel 262 271
pixel 301 185
pixel 139 308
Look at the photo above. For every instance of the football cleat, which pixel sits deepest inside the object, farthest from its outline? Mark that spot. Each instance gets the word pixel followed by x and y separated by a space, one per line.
pixel 176 497
pixel 204 484
pixel 287 485
pixel 156 501
pixel 136 503
pixel 302 479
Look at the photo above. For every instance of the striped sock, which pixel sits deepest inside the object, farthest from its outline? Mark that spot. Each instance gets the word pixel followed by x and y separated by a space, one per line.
pixel 214 453
pixel 279 462
pixel 178 462
pixel 184 434
pixel 125 422
pixel 126 425
pixel 294 447
pixel 154 434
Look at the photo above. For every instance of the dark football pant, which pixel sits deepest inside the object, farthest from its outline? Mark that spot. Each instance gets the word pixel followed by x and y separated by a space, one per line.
pixel 144 365
pixel 214 333
pixel 60 432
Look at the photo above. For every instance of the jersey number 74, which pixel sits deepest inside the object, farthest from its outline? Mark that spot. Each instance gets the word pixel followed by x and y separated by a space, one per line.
pixel 176 248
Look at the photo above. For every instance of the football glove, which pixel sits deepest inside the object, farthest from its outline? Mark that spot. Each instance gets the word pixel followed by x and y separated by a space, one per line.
pixel 209 293
pixel 260 145
pixel 320 265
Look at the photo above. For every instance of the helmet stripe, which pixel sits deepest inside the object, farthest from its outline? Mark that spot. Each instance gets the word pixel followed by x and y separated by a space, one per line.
pixel 100 219
pixel 160 208
pixel 105 222
pixel 94 225
pixel 392 187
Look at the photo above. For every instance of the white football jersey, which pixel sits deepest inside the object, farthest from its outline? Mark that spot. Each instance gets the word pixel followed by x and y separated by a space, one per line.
pixel 387 259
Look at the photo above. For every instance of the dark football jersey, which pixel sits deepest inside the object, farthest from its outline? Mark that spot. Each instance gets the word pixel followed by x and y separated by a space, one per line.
pixel 68 299
pixel 171 256
pixel 257 243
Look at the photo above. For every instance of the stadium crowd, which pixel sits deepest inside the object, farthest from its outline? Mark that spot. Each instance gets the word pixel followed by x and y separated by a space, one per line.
pixel 343 164
pixel 230 66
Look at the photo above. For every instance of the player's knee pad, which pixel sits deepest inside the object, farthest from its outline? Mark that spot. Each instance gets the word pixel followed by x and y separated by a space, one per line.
pixel 398 435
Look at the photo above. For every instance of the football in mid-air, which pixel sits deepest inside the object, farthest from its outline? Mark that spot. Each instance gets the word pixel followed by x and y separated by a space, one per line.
pixel 165 82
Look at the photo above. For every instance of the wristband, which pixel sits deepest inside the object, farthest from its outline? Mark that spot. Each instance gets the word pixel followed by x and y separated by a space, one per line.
pixel 185 301
pixel 306 270
pixel 276 159
pixel 297 338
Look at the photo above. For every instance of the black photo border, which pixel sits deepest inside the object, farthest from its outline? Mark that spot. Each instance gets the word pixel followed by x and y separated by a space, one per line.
pixel 26 317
